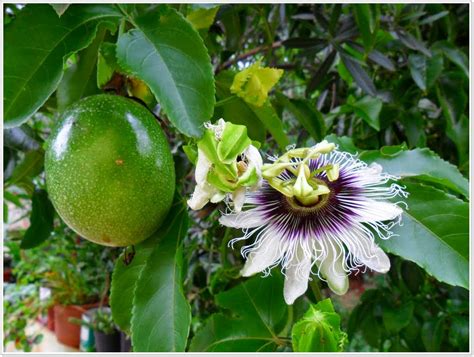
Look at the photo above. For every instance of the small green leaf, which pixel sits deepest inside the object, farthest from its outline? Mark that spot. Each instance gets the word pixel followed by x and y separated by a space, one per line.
pixel 41 221
pixel 257 308
pixel 28 168
pixel 366 24
pixel 411 42
pixel 106 63
pixel 161 315
pixel 319 330
pixel 425 71
pixel 79 79
pixel 432 334
pixel 202 18
pixel 422 164
pixel 454 54
pixel 178 71
pixel 30 81
pixel 434 234
pixel 358 73
pixel 368 108
pixel 396 318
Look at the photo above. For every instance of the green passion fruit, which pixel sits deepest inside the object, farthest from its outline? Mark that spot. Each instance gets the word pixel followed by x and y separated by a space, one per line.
pixel 109 170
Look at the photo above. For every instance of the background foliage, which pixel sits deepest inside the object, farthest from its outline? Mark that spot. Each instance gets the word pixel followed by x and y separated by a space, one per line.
pixel 389 82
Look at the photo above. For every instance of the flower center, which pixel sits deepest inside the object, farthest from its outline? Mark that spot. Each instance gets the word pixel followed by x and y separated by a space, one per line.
pixel 302 205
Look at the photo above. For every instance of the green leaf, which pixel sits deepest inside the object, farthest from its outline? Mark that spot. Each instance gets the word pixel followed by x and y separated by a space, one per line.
pixel 365 23
pixel 167 53
pixel 307 115
pixel 344 143
pixel 79 80
pixel 425 71
pixel 422 164
pixel 60 8
pixel 124 278
pixel 33 60
pixel 106 63
pixel 453 100
pixel 411 42
pixel 256 309
pixel 396 318
pixel 202 18
pixel 368 108
pixel 358 73
pixel 28 168
pixel 319 330
pixel 454 54
pixel 41 221
pixel 161 315
pixel 269 118
pixel 432 334
pixel 434 234
pixel 323 69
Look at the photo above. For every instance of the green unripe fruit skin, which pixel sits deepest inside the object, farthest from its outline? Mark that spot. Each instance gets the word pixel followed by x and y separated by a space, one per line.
pixel 109 170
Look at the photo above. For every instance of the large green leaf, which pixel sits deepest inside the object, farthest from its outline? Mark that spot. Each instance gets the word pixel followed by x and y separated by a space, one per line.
pixel 126 273
pixel 41 221
pixel 79 80
pixel 161 315
pixel 257 308
pixel 434 234
pixel 167 53
pixel 423 164
pixel 36 44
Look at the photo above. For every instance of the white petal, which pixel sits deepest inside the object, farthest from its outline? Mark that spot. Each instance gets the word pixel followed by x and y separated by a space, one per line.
pixel 263 256
pixel 254 158
pixel 201 196
pixel 202 167
pixel 331 267
pixel 238 197
pixel 296 279
pixel 248 219
pixel 375 211
pixel 369 253
pixel 217 197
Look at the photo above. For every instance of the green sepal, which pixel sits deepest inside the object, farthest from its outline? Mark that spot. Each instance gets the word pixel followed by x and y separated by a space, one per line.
pixel 318 330
pixel 233 142
pixel 249 178
pixel 220 182
pixel 191 153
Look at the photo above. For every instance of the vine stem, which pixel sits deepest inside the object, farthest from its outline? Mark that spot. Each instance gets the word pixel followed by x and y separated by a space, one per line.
pixel 225 101
pixel 248 54
pixel 316 289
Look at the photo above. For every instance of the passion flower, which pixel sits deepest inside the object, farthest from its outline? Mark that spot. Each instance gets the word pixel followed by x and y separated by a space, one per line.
pixel 318 212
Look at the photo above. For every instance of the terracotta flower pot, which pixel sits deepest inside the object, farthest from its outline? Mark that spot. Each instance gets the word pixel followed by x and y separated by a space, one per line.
pixel 50 321
pixel 68 333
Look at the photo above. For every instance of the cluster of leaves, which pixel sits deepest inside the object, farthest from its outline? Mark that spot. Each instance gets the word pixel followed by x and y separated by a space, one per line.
pixel 410 313
pixel 390 81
